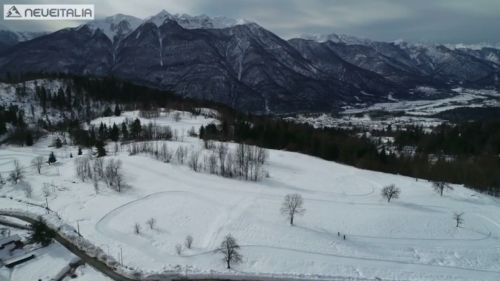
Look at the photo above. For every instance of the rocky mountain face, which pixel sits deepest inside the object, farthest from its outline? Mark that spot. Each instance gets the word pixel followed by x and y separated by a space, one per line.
pixel 248 67
pixel 10 38
pixel 415 64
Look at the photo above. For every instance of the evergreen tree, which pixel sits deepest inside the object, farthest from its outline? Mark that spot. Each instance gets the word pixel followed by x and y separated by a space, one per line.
pixel 202 132
pixel 124 131
pixel 52 158
pixel 41 233
pixel 118 111
pixel 58 143
pixel 101 150
pixel 114 134
pixel 107 112
pixel 135 129
pixel 29 139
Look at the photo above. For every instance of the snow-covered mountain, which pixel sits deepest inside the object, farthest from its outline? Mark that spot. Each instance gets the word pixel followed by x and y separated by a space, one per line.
pixel 10 38
pixel 414 63
pixel 248 67
pixel 118 26
pixel 193 22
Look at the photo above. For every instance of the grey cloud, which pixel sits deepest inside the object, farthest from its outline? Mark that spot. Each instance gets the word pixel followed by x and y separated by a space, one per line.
pixel 424 20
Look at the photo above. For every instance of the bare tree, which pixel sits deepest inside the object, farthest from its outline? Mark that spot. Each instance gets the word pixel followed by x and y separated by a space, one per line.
pixel 95 182
pixel 178 249
pixel 229 248
pixel 28 191
pixel 151 223
pixel 194 161
pixel 211 163
pixel 83 170
pixel 99 168
pixel 440 187
pixel 222 150
pixel 37 162
pixel 391 191
pixel 46 191
pixel 180 154
pixel 137 228
pixel 165 153
pixel 17 174
pixel 292 206
pixel 458 217
pixel 177 116
pixel 188 242
pixel 113 175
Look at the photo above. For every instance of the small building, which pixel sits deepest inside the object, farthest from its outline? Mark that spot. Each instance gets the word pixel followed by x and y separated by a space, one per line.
pixel 12 252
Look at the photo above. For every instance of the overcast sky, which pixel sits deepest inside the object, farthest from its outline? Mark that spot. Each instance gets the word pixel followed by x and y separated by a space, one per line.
pixel 440 21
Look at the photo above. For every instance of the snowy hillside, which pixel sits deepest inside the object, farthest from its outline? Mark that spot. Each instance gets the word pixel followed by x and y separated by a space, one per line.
pixel 119 25
pixel 410 238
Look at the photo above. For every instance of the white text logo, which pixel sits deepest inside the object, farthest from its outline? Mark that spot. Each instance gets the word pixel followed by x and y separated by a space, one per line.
pixel 48 12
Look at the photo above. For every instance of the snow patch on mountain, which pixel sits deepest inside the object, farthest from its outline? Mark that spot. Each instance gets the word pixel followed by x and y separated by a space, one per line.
pixel 194 22
pixel 115 27
pixel 478 46
pixel 337 38
pixel 118 26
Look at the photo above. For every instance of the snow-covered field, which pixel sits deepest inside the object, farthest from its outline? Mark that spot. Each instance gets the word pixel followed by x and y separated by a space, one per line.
pixel 411 238
pixel 460 98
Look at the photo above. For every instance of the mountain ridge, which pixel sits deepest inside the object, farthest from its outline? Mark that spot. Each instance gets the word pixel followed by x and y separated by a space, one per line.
pixel 248 67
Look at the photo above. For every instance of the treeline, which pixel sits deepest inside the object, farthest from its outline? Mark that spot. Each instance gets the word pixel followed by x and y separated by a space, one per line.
pixel 462 139
pixel 13 124
pixel 475 146
pixel 125 131
pixel 244 161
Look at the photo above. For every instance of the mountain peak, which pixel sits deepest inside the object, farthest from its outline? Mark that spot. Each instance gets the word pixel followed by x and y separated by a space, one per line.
pixel 195 22
pixel 120 25
pixel 115 26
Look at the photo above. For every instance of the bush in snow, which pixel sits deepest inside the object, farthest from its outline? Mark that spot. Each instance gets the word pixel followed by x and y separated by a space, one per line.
pixel 151 223
pixel 458 217
pixel 178 249
pixel 17 174
pixel 137 228
pixel 37 163
pixel 52 158
pixel 189 241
